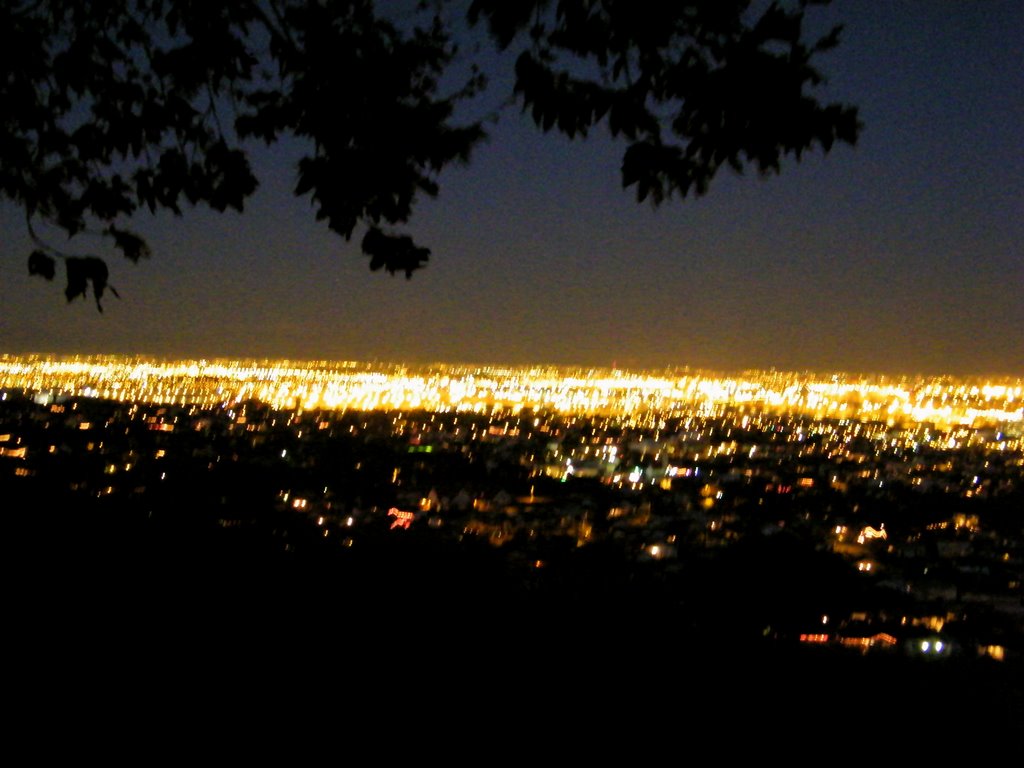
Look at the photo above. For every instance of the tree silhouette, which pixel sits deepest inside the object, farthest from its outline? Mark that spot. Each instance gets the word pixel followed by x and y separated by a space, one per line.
pixel 124 105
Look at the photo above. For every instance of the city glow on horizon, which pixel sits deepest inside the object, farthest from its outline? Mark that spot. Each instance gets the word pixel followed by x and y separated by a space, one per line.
pixel 945 402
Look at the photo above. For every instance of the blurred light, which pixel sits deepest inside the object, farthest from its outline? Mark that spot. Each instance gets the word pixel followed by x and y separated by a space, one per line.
pixel 402 519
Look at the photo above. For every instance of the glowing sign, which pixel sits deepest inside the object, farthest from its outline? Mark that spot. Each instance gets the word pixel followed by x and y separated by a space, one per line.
pixel 402 519
pixel 814 638
pixel 872 533
pixel 879 533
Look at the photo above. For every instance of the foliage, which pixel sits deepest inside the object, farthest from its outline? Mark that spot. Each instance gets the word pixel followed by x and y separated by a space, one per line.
pixel 114 107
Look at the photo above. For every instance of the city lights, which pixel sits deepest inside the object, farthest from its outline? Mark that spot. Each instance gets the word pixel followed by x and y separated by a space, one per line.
pixel 949 408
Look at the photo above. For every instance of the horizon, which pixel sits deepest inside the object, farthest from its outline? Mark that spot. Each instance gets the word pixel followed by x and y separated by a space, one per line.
pixel 945 402
pixel 686 368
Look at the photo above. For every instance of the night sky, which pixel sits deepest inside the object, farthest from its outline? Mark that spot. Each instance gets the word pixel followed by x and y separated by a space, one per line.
pixel 904 254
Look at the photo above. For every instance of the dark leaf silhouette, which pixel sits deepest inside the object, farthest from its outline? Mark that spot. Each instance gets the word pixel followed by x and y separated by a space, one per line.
pixel 81 271
pixel 41 264
pixel 395 253
pixel 131 245
pixel 690 86
pixel 126 105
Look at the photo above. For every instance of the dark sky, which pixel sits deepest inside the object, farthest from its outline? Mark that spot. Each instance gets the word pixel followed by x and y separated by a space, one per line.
pixel 904 254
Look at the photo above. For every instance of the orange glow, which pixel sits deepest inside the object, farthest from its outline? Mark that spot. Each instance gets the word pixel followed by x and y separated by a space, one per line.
pixel 943 403
pixel 814 638
pixel 402 519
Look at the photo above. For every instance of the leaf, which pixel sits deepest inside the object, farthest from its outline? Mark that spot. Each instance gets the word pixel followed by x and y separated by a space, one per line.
pixel 41 264
pixel 131 245
pixel 393 252
pixel 81 270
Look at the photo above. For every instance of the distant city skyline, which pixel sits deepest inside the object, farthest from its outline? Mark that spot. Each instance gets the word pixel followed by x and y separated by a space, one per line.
pixel 476 367
pixel 637 395
pixel 903 255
